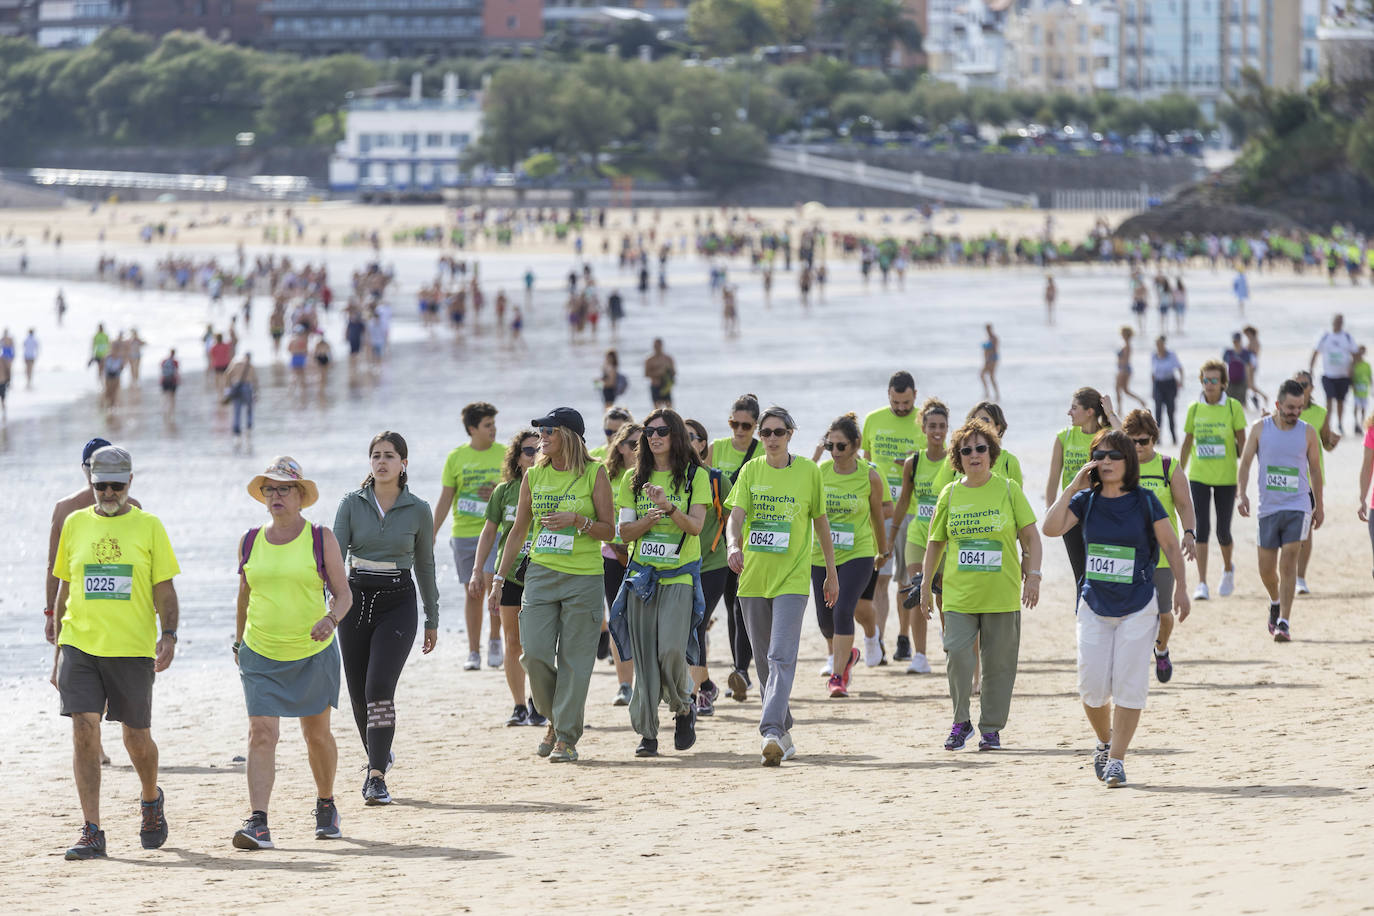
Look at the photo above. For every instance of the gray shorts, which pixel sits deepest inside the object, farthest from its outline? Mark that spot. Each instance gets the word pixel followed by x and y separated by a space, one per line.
pixel 896 564
pixel 465 555
pixel 122 688
pixel 293 690
pixel 1164 589
pixel 1288 526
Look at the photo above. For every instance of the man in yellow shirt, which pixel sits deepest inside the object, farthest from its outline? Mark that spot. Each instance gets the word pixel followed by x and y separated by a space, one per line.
pixel 116 567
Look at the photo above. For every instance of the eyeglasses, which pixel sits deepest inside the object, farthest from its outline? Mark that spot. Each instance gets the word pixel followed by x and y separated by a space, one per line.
pixel 693 437
pixel 836 446
pixel 529 451
pixel 740 426
pixel 769 433
pixel 657 431
pixel 1113 455
pixel 970 449
pixel 109 485
pixel 284 490
pixel 1142 441
pixel 1211 380
pixel 609 432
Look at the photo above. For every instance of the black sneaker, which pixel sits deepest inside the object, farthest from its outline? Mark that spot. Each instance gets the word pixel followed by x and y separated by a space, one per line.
pixel 254 833
pixel 685 732
pixel 911 595
pixel 903 653
pixel 326 820
pixel 153 833
pixel 1164 669
pixel 90 845
pixel 375 793
pixel 959 734
pixel 1273 617
pixel 603 646
pixel 1281 632
pixel 536 717
pixel 521 715
pixel 648 747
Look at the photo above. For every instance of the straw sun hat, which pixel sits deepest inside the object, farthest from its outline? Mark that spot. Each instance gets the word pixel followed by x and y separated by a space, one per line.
pixel 285 469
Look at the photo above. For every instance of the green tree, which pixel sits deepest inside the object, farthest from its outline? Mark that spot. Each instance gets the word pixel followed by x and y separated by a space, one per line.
pixel 519 113
pixel 729 26
pixel 589 117
pixel 873 26
pixel 699 134
pixel 1360 146
pixel 791 21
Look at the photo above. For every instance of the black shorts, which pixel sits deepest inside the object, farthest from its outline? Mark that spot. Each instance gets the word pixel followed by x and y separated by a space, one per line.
pixel 660 395
pixel 1336 388
pixel 872 587
pixel 122 688
pixel 511 593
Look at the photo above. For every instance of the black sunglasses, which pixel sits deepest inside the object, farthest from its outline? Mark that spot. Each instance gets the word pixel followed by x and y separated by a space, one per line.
pixel 741 424
pixel 769 433
pixel 1142 441
pixel 695 438
pixel 529 451
pixel 970 449
pixel 109 485
pixel 609 432
pixel 657 431
pixel 1113 454
pixel 836 446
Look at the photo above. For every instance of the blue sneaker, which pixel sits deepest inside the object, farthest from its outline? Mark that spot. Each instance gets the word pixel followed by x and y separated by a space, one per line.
pixel 1100 760
pixel 1115 775
pixel 958 735
pixel 254 833
pixel 90 845
pixel 326 820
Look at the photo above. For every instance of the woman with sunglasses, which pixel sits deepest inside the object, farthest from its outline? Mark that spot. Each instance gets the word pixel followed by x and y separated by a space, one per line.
pixel 729 454
pixel 923 477
pixel 380 527
pixel 520 455
pixel 566 498
pixel 1163 477
pixel 987 518
pixel 611 421
pixel 1088 414
pixel 714 568
pixel 854 494
pixel 620 458
pixel 662 504
pixel 1007 465
pixel 1213 438
pixel 1124 528
pixel 777 501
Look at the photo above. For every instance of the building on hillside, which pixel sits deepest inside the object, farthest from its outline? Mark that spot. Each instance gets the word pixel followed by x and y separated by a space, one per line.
pixel 220 20
pixel 398 28
pixel 17 17
pixel 964 43
pixel 1062 46
pixel 918 12
pixel 581 20
pixel 76 23
pixel 406 145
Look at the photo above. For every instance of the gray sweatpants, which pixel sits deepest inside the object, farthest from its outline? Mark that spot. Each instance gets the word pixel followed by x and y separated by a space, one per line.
pixel 774 626
pixel 658 640
pixel 1001 645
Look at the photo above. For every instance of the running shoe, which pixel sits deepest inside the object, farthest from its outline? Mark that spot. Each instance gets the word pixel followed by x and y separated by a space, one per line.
pixel 648 747
pixel 911 595
pixel 474 661
pixel 771 754
pixel 90 845
pixel 1100 754
pixel 1282 633
pixel 789 750
pixel 990 741
pixel 1164 669
pixel 1201 593
pixel 919 664
pixel 836 687
pixel 494 654
pixel 705 705
pixel 848 671
pixel 603 646
pixel 1228 582
pixel 390 762
pixel 872 651
pixel 959 734
pixel 521 715
pixel 545 747
pixel 1273 616
pixel 622 696
pixel 739 686
pixel 709 688
pixel 536 718
pixel 254 833
pixel 1302 587
pixel 903 652
pixel 829 667
pixel 563 753
pixel 326 820
pixel 1115 774
pixel 685 729
pixel 153 832
pixel 375 793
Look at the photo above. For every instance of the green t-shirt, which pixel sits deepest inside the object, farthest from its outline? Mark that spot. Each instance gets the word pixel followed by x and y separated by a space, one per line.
pixel 779 505
pixel 727 458
pixel 468 472
pixel 889 440
pixel 1152 478
pixel 1009 467
pixel 718 557
pixel 599 453
pixel 1077 448
pixel 1359 378
pixel 566 550
pixel 929 478
pixel 1213 428
pixel 501 513
pixel 666 546
pixel 616 495
pixel 848 509
pixel 982 561
pixel 1315 416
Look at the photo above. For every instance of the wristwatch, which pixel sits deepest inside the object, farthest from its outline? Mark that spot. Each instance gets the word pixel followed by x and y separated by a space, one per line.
pixel 1190 531
pixel 171 633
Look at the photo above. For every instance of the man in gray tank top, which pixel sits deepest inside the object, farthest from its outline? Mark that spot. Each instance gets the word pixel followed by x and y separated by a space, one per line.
pixel 1290 498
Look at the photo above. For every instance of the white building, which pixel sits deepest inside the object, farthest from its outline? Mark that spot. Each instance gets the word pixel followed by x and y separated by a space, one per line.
pixel 964 43
pixel 411 144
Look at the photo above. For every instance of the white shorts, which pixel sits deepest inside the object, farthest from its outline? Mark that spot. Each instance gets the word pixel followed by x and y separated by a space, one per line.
pixel 1114 655
pixel 896 564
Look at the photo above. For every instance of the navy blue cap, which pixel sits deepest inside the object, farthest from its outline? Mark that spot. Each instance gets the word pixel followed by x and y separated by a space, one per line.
pixel 563 416
pixel 89 449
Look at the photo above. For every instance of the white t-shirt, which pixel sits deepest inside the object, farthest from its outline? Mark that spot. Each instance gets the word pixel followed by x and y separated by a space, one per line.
pixel 1336 348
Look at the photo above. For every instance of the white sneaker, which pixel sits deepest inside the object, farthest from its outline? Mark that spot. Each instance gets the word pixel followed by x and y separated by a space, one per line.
pixel 1201 593
pixel 789 750
pixel 771 754
pixel 494 654
pixel 829 667
pixel 1228 582
pixel 474 661
pixel 873 653
pixel 919 664
pixel 1302 586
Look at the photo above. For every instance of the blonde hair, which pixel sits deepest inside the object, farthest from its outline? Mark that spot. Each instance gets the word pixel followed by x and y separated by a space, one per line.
pixel 572 448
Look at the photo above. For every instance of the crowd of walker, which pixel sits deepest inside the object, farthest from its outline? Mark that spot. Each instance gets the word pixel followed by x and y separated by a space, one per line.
pixel 623 552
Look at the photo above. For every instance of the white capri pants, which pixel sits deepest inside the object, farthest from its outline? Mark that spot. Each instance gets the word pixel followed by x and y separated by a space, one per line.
pixel 1114 655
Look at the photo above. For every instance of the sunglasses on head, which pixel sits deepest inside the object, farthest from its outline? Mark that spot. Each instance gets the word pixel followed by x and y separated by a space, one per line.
pixel 529 451
pixel 1141 441
pixel 109 485
pixel 769 433
pixel 656 431
pixel 1113 454
pixel 284 490
pixel 741 425
pixel 970 449
pixel 836 446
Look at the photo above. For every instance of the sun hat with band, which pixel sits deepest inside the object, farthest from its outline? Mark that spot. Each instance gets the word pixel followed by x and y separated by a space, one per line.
pixel 284 469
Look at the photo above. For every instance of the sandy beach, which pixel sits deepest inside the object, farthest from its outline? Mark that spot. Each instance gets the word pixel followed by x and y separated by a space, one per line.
pixel 1250 790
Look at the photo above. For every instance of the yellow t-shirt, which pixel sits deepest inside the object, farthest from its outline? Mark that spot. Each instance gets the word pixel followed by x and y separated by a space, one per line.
pixel 467 471
pixel 286 598
pixel 111 564
pixel 665 545
pixel 889 440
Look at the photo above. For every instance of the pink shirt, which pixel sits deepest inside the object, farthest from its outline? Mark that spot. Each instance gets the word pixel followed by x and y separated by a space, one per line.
pixel 1369 444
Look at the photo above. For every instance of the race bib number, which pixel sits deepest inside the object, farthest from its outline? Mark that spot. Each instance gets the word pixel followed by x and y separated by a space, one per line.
pixel 980 555
pixel 658 547
pixel 925 511
pixel 1211 447
pixel 471 505
pixel 1109 563
pixel 842 536
pixel 108 582
pixel 895 489
pixel 1280 479
pixel 769 537
pixel 551 542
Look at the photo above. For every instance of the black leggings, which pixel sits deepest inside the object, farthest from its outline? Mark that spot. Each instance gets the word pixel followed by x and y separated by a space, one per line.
pixel 712 587
pixel 1166 393
pixel 1078 555
pixel 612 574
pixel 1224 496
pixel 375 640
pixel 741 650
pixel 854 576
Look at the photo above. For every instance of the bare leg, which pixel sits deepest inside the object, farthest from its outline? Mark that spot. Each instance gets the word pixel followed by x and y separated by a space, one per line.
pixel 1304 555
pixel 880 603
pixel 515 672
pixel 472 608
pixel 86 763
pixel 263 732
pixel 1288 578
pixel 865 617
pixel 1166 628
pixel 1100 718
pixel 1124 722
pixel 1269 572
pixel 143 752
pixel 324 753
